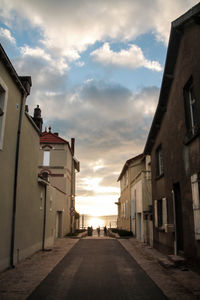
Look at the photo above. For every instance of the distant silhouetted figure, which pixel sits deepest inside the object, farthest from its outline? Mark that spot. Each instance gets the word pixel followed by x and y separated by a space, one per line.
pixel 98 231
pixel 90 229
pixel 105 230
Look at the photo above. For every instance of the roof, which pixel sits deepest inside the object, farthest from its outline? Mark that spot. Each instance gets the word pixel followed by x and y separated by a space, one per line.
pixel 128 163
pixel 23 82
pixel 51 138
pixel 193 15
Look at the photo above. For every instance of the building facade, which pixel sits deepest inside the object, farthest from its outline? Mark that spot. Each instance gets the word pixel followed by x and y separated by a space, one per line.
pixel 30 204
pixel 134 204
pixel 21 216
pixel 174 143
pixel 58 162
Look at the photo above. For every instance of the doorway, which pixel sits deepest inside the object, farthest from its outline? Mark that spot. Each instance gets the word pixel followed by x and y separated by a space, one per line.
pixel 58 224
pixel 178 217
pixel 139 227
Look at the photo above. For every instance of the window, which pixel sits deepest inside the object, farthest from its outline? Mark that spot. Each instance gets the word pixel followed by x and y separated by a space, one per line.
pixel 133 201
pixel 46 158
pixel 159 161
pixel 160 213
pixel 191 109
pixel 3 104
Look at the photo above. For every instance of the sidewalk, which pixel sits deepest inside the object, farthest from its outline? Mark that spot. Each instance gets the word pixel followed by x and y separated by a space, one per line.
pixel 18 283
pixel 175 282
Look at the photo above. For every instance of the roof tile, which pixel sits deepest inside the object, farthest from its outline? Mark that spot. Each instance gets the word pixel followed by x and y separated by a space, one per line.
pixel 51 138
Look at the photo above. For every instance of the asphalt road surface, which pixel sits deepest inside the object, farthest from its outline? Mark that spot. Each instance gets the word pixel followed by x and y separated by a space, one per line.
pixel 99 270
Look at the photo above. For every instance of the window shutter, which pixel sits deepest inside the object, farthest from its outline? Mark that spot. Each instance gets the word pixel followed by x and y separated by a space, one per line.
pixel 156 213
pixel 195 191
pixel 196 205
pixel 164 211
pixel 132 209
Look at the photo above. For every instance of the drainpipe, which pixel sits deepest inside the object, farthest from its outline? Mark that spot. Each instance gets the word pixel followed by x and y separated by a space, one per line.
pixel 45 216
pixel 71 200
pixel 72 183
pixel 15 183
pixel 175 231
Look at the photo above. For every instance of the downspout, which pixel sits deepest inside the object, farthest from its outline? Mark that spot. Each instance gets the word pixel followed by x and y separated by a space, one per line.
pixel 71 212
pixel 15 183
pixel 72 186
pixel 175 231
pixel 45 216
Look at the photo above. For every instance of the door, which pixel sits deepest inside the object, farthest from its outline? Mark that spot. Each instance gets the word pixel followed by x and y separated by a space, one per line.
pixel 139 227
pixel 178 216
pixel 58 224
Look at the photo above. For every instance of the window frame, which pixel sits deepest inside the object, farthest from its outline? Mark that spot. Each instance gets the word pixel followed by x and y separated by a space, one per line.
pixel 160 213
pixel 159 161
pixel 3 106
pixel 46 158
pixel 191 105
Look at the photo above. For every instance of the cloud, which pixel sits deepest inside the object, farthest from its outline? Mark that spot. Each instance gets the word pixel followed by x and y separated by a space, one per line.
pixel 110 124
pixel 6 36
pixel 71 26
pixel 131 58
pixel 39 54
pixel 109 121
pixel 80 64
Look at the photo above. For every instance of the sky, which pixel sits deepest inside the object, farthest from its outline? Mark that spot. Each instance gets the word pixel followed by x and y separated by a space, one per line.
pixel 96 68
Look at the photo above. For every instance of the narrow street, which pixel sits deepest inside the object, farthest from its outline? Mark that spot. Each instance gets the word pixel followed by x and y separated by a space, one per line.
pixel 97 269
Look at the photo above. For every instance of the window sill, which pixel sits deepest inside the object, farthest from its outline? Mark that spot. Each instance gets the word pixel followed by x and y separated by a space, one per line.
pixel 159 176
pixel 190 137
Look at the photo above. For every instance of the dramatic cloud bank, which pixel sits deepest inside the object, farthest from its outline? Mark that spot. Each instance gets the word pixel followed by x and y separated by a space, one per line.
pixel 96 68
pixel 70 27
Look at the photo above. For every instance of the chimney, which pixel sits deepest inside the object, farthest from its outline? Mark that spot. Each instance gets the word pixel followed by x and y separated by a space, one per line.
pixel 56 133
pixel 37 117
pixel 72 145
pixel 26 82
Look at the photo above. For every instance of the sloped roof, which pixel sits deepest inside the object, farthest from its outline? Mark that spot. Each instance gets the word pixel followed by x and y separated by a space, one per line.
pixel 51 138
pixel 128 163
pixel 177 26
pixel 23 82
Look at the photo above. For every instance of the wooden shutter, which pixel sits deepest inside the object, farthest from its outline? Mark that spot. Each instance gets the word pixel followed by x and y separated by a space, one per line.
pixel 196 205
pixel 155 213
pixel 164 211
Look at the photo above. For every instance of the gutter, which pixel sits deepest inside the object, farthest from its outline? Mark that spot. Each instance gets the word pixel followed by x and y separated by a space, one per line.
pixel 15 183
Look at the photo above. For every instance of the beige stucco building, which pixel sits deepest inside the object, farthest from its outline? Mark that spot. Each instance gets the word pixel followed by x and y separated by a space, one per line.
pixel 58 162
pixel 21 219
pixel 135 202
pixel 30 205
